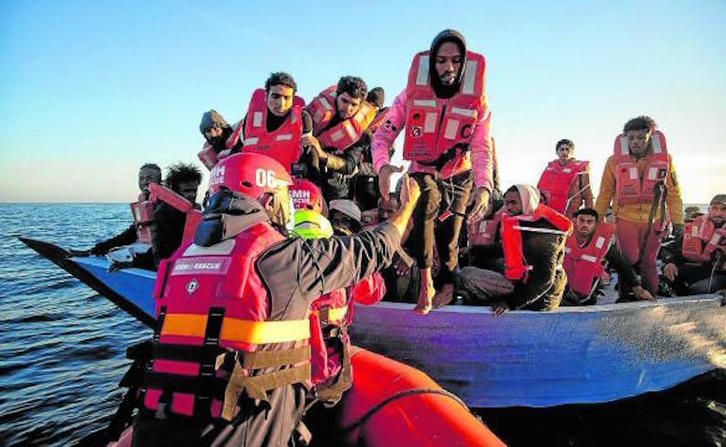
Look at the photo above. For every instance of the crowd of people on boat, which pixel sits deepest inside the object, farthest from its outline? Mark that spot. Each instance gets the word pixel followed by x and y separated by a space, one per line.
pixel 300 219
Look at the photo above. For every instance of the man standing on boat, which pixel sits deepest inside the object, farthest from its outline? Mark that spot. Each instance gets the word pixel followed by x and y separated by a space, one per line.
pixel 565 182
pixel 698 266
pixel 231 359
pixel 446 119
pixel 640 181
pixel 586 251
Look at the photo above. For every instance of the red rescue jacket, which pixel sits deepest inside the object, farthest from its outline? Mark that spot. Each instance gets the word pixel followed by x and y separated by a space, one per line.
pixel 557 180
pixel 584 265
pixel 630 188
pixel 215 340
pixel 322 109
pixel 701 238
pixel 435 126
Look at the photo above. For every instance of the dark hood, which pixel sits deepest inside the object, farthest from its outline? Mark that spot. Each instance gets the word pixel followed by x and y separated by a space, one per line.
pixel 447 35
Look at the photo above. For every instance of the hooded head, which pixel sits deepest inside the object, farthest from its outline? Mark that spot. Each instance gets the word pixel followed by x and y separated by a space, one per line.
pixel 521 200
pixel 445 71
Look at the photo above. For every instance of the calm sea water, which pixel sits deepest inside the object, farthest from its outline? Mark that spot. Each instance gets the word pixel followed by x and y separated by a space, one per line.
pixel 62 353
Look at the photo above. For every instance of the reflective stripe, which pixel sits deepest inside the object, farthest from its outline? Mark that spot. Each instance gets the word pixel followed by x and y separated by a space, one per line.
pixel 469 78
pixel 284 137
pixel 337 135
pixel 238 330
pixel 430 123
pixel 624 148
pixel 422 72
pixel 652 173
pixel 657 149
pixel 588 258
pixel 251 140
pixel 600 242
pixel 325 103
pixel 424 102
pixel 633 173
pixel 452 127
pixel 464 112
pixel 257 119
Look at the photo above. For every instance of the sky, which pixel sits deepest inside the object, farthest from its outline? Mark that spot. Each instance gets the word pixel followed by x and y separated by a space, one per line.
pixel 89 91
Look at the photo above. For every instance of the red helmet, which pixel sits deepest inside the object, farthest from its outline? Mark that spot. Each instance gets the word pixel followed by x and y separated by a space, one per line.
pixel 306 195
pixel 250 174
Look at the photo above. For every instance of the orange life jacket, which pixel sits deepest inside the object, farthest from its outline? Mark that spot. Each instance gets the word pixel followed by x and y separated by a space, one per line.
pixel 322 109
pixel 584 265
pixel 210 157
pixel 701 238
pixel 556 182
pixel 283 143
pixel 630 188
pixel 215 337
pixel 435 126
pixel 484 232
pixel 515 267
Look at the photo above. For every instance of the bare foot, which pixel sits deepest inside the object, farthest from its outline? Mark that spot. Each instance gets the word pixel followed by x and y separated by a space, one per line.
pixel 444 297
pixel 426 294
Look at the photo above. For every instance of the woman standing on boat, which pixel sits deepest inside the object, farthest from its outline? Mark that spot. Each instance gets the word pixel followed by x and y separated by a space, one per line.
pixel 446 119
pixel 640 181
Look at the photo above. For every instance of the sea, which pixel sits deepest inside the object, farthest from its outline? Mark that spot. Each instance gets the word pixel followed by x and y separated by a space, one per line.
pixel 62 354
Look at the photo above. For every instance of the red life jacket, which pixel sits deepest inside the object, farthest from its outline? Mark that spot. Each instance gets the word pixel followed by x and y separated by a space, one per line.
pixel 210 157
pixel 584 265
pixel 283 143
pixel 556 182
pixel 630 188
pixel 143 212
pixel 433 125
pixel 484 232
pixel 515 267
pixel 215 339
pixel 322 109
pixel 193 215
pixel 701 238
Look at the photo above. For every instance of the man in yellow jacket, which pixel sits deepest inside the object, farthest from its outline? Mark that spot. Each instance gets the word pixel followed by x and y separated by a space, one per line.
pixel 640 181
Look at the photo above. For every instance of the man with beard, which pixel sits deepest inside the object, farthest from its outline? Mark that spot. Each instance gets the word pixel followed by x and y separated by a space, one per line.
pixel 698 267
pixel 586 250
pixel 446 119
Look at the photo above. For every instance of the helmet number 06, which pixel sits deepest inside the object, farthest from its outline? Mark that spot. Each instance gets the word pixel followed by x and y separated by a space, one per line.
pixel 265 178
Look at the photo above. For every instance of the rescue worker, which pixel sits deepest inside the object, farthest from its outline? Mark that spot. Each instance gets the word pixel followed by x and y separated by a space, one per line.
pixel 167 227
pixel 532 243
pixel 345 217
pixel 219 138
pixel 586 250
pixel 565 182
pixel 446 119
pixel 232 365
pixel 276 122
pixel 341 116
pixel 697 266
pixel 640 181
pixel 148 173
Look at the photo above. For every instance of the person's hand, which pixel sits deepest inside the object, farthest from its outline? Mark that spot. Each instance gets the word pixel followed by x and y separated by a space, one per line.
pixel 384 178
pixel 670 271
pixel 642 294
pixel 410 191
pixel 481 202
pixel 498 309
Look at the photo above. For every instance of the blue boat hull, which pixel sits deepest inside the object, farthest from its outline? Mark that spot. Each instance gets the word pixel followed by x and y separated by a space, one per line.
pixel 590 354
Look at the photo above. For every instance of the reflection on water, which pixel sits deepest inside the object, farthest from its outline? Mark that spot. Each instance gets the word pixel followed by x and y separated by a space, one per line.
pixel 62 353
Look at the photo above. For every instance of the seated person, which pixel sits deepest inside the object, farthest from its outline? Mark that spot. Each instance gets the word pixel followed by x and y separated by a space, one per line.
pixel 590 245
pixel 532 242
pixel 345 216
pixel 697 264
pixel 341 117
pixel 167 227
pixel 148 173
pixel 219 138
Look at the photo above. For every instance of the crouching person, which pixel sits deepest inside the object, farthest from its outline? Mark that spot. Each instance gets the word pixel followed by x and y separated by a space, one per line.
pixel 586 250
pixel 532 243
pixel 231 360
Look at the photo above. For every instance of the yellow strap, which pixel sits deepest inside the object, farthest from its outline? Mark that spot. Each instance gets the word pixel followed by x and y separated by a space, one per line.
pixel 238 330
pixel 335 314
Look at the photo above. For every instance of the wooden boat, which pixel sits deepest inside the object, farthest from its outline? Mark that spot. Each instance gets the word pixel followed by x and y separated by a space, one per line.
pixel 589 354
